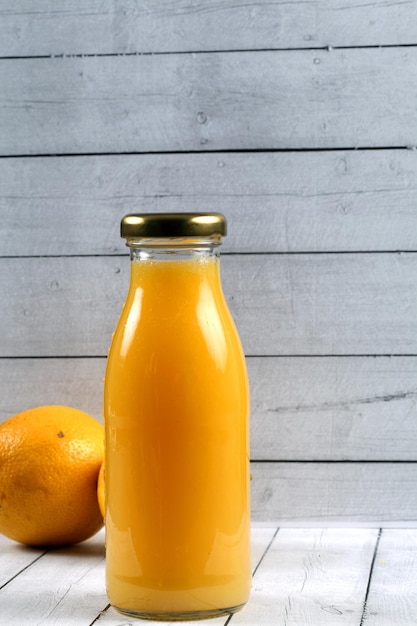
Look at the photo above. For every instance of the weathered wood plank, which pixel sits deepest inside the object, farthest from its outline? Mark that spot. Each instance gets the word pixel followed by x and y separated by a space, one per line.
pixel 64 586
pixel 393 583
pixel 333 408
pixel 14 559
pixel 302 408
pixel 316 304
pixel 261 537
pixel 334 493
pixel 26 383
pixel 324 304
pixel 218 101
pixel 274 202
pixel 103 26
pixel 311 577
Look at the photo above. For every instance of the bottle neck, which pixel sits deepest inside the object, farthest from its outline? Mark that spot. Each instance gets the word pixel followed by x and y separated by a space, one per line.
pixel 173 249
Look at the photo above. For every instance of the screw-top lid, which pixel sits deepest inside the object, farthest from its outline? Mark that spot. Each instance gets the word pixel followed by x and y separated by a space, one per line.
pixel 173 225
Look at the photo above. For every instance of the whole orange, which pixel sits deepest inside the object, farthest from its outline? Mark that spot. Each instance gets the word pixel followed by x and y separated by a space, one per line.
pixel 50 457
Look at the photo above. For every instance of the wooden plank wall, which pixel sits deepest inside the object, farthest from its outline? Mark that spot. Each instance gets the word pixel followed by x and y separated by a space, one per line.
pixel 298 121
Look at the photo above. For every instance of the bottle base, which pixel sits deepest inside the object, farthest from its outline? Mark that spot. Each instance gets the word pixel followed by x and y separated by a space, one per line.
pixel 181 616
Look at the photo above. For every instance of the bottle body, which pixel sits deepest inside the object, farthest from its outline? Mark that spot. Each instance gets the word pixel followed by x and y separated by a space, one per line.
pixel 177 444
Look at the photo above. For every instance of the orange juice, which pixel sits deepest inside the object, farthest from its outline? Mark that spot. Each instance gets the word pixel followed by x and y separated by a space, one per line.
pixel 177 450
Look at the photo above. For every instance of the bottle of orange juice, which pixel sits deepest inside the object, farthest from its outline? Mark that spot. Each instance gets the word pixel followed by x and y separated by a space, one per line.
pixel 176 416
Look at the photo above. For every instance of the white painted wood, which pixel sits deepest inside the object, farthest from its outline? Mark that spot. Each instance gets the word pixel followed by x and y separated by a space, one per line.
pixel 274 202
pixel 210 101
pixel 66 586
pixel 26 383
pixel 311 577
pixel 393 582
pixel 105 26
pixel 302 408
pixel 85 286
pixel 333 408
pixel 334 493
pixel 323 304
pixel 261 538
pixel 14 560
pixel 283 305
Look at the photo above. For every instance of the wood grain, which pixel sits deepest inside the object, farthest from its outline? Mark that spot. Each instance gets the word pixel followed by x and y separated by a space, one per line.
pixel 283 305
pixel 274 202
pixel 311 576
pixel 13 561
pixel 67 586
pixel 334 493
pixel 108 27
pixel 26 383
pixel 333 408
pixel 395 564
pixel 211 101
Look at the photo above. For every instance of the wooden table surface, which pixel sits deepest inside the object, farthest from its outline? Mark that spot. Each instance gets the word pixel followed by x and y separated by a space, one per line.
pixel 349 576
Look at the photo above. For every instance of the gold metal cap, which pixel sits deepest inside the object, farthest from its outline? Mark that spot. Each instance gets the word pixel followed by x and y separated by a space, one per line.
pixel 173 225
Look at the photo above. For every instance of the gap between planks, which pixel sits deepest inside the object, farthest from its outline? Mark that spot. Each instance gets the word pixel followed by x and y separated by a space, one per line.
pixel 87 55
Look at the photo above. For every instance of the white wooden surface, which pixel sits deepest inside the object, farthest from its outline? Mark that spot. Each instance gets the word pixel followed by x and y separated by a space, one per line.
pixel 349 576
pixel 281 305
pixel 336 201
pixel 209 101
pixel 126 26
pixel 296 119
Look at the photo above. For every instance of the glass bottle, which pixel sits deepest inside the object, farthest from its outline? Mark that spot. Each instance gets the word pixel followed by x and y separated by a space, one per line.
pixel 176 415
